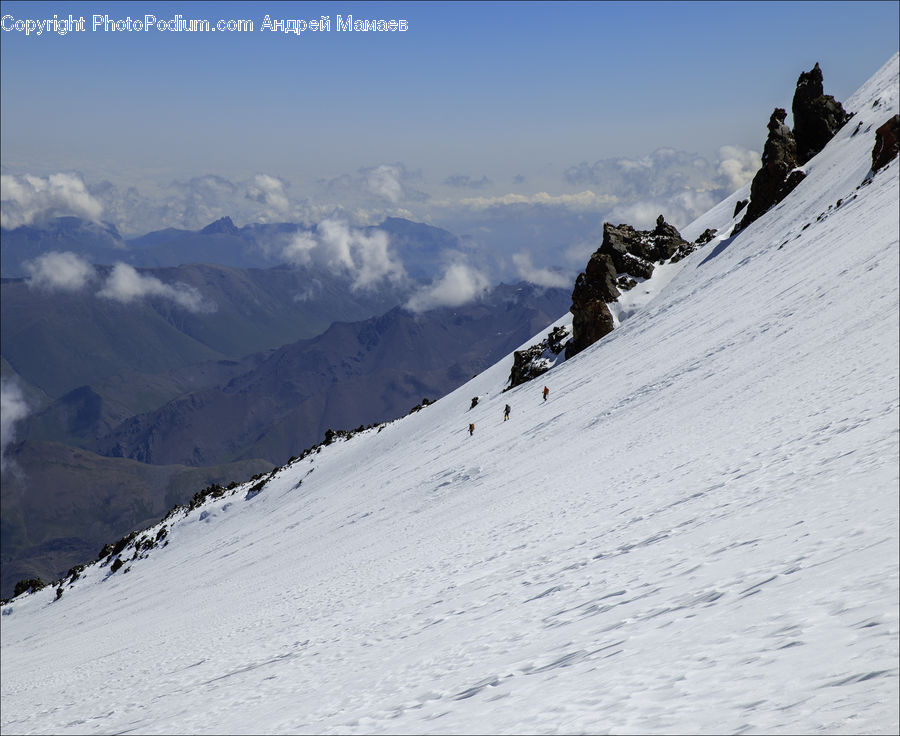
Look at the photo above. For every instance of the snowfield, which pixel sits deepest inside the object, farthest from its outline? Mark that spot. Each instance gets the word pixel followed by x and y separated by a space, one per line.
pixel 697 532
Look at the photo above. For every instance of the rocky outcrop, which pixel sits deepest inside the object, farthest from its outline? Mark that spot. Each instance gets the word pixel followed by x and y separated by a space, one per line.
pixel 705 237
pixel 779 173
pixel 887 143
pixel 817 116
pixel 688 248
pixel 537 359
pixel 624 255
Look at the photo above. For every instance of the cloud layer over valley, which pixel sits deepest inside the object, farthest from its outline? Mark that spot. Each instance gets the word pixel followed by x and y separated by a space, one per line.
pixel 68 272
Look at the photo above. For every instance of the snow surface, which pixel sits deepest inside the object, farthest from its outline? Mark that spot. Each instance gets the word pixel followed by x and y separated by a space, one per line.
pixel 697 532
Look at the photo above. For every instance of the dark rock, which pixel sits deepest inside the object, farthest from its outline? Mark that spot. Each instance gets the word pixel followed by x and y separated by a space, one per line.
pixel 887 143
pixel 817 116
pixel 666 240
pixel 626 283
pixel 591 318
pixel 706 236
pixel 685 250
pixel 777 177
pixel 590 323
pixel 418 407
pixel 556 339
pixel 739 205
pixel 28 586
pixel 123 543
pixel 624 255
pixel 525 365
pixel 634 251
pixel 533 361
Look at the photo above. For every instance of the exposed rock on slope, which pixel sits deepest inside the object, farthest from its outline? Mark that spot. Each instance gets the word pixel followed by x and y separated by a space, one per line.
pixel 779 173
pixel 887 143
pixel 624 255
pixel 537 359
pixel 817 116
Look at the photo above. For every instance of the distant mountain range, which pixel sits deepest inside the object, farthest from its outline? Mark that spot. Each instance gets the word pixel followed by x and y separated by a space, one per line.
pixel 58 341
pixel 61 503
pixel 256 245
pixel 352 374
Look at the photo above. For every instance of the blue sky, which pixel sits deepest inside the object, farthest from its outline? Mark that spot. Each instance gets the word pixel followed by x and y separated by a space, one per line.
pixel 475 98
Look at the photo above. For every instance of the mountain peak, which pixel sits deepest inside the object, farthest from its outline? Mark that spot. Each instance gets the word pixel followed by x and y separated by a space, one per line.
pixel 222 225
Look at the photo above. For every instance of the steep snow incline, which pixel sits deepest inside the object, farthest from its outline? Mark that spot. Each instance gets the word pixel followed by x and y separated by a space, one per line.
pixel 697 532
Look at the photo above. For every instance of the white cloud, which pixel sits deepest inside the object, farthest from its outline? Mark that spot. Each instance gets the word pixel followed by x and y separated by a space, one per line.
pixel 664 172
pixel 679 210
pixel 459 285
pixel 581 201
pixel 270 192
pixel 365 257
pixel 24 199
pixel 578 253
pixel 125 285
pixel 737 166
pixel 639 214
pixel 667 173
pixel 540 276
pixel 384 181
pixel 374 186
pixel 59 271
pixel 13 409
pixel 196 202
pixel 200 200
pixel 299 251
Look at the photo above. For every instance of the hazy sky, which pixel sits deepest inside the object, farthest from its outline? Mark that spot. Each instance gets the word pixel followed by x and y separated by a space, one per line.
pixel 474 99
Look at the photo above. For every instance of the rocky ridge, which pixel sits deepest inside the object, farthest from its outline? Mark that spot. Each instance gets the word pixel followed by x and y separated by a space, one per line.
pixel 537 359
pixel 624 256
pixel 817 117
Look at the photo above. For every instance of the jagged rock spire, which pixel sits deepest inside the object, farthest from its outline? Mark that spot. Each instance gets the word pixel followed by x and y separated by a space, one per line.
pixel 778 176
pixel 624 255
pixel 817 116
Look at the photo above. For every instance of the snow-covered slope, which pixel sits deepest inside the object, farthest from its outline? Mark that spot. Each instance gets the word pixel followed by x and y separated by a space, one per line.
pixel 697 532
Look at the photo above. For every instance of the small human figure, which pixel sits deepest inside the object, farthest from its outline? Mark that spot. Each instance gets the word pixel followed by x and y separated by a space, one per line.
pixel 506 411
pixel 546 391
pixel 471 428
pixel 474 402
